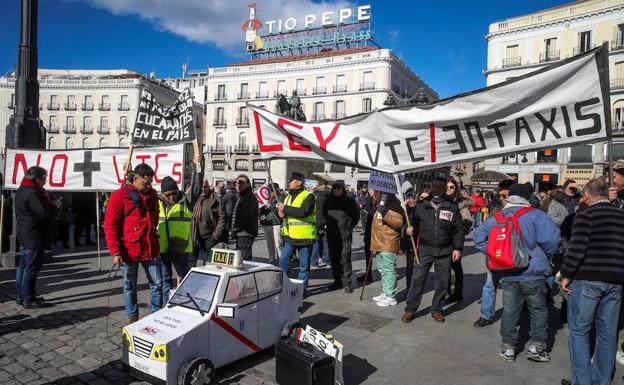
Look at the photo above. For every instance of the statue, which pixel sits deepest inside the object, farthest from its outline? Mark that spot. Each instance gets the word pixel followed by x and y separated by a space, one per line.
pixel 290 108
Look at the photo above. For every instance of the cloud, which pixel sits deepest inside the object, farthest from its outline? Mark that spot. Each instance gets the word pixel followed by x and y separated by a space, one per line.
pixel 216 22
pixel 393 34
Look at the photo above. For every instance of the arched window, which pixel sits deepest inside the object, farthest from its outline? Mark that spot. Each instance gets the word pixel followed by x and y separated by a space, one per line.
pixel 219 141
pixel 51 143
pixel 86 143
pixel 69 143
pixel 123 142
pixel 242 140
pixel 103 142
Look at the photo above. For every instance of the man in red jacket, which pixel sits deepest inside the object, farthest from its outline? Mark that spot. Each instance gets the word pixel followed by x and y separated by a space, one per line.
pixel 132 238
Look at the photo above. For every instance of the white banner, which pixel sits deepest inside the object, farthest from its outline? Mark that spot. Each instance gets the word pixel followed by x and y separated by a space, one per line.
pixel 562 105
pixel 263 195
pixel 92 169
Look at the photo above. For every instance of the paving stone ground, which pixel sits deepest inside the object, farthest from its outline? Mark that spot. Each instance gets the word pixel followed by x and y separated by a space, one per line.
pixel 77 341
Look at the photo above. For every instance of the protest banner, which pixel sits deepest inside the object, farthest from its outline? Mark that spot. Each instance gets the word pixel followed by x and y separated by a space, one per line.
pixel 263 195
pixel 92 169
pixel 528 113
pixel 381 181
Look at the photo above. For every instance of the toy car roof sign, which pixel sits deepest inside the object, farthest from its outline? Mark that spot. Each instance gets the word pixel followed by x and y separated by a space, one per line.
pixel 225 257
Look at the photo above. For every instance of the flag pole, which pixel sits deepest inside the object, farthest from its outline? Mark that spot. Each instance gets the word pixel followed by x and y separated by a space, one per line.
pixel 402 199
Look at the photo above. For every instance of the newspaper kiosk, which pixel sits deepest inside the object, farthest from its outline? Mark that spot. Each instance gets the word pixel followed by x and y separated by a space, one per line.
pixel 221 312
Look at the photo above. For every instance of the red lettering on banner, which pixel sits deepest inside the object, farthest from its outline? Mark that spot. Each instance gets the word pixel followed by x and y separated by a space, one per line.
pixel 323 142
pixel 122 179
pixel 261 146
pixel 143 158
pixel 156 158
pixel 281 122
pixel 51 181
pixel 20 160
pixel 177 172
pixel 432 141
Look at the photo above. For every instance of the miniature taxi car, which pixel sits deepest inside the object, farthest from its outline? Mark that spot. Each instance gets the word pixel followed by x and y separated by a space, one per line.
pixel 221 312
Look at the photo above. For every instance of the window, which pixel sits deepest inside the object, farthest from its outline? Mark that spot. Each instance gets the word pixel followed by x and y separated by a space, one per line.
pixel 512 56
pixel 367 104
pixel 70 122
pixel 123 125
pixel 550 50
pixel 320 85
pixel 319 111
pixel 300 87
pixel 124 105
pixel 53 122
pixel 269 283
pixel 218 165
pixel 123 142
pixel 86 143
pixel 69 143
pixel 259 165
pixel 341 83
pixel 617 80
pixel 584 42
pixel 12 103
pixel 619 119
pixel 263 90
pixel 241 289
pixel 219 141
pixel 219 116
pixel 103 142
pixel 104 122
pixel 88 103
pixel 201 287
pixel 244 91
pixel 221 92
pixel 281 87
pixel 243 116
pixel 618 150
pixel 547 156
pixel 242 140
pixel 54 105
pixel 339 109
pixel 241 165
pixel 105 105
pixel 71 102
pixel 51 143
pixel 618 41
pixel 581 154
pixel 367 81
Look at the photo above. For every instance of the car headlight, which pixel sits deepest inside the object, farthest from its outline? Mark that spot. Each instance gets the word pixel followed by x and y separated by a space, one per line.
pixel 127 341
pixel 161 353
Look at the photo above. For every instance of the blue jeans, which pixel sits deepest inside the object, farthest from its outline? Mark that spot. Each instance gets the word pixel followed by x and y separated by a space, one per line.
pixel 515 294
pixel 320 247
pixel 304 260
pixel 488 298
pixel 129 273
pixel 26 274
pixel 182 267
pixel 589 301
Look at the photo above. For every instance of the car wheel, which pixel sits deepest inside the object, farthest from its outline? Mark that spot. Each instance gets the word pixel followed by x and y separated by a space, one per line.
pixel 290 328
pixel 198 371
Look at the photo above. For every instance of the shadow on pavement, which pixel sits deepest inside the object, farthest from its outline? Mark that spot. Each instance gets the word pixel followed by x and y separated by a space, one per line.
pixel 356 370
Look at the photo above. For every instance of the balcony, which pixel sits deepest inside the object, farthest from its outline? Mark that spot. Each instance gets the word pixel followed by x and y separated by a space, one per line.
pixel 104 107
pixel 53 129
pixel 69 129
pixel 618 126
pixel 262 94
pixel 318 91
pixel 617 44
pixel 549 56
pixel 217 148
pixel 338 115
pixel 242 122
pixel 367 86
pixel 255 149
pixel 86 130
pixel 318 117
pixel 70 106
pixel 301 91
pixel 219 123
pixel 512 62
pixel 219 97
pixel 104 130
pixel 241 149
pixel 123 107
pixel 340 88
pixel 87 106
pixel 617 84
pixel 53 106
pixel 122 129
pixel 581 49
pixel 242 95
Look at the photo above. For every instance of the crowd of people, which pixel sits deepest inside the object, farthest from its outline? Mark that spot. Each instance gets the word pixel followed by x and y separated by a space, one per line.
pixel 569 240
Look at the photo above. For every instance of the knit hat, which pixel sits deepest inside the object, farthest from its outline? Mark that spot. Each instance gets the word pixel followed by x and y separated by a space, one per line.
pixel 523 190
pixel 168 184
pixel 619 170
pixel 506 184
pixel 297 176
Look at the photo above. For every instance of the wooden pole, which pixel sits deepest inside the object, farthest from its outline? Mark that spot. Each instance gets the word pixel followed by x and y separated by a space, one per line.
pixel 402 199
pixel 97 230
pixel 268 167
pixel 196 155
pixel 610 160
pixel 128 164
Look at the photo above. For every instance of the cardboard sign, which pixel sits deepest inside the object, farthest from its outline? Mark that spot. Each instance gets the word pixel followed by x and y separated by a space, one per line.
pixel 326 344
pixel 263 195
pixel 99 169
pixel 381 181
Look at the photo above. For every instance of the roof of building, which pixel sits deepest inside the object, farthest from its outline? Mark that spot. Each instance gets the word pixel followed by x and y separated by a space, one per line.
pixel 317 55
pixel 82 73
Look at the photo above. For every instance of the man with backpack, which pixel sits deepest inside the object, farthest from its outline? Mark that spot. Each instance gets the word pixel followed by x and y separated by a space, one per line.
pixel 132 239
pixel 518 242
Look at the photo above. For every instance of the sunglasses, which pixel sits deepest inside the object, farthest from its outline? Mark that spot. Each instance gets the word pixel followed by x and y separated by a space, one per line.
pixel 451 187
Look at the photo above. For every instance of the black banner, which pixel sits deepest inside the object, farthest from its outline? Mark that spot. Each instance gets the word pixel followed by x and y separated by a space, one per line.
pixel 158 125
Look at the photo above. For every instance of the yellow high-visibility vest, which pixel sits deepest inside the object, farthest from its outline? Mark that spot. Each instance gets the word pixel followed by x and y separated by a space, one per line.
pixel 299 228
pixel 179 220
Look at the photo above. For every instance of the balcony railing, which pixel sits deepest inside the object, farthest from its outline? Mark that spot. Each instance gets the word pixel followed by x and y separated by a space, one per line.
pixel 617 44
pixel 367 86
pixel 69 129
pixel 220 97
pixel 104 106
pixel 242 122
pixel 618 126
pixel 512 62
pixel 242 95
pixel 86 130
pixel 219 123
pixel 338 115
pixel 255 149
pixel 53 106
pixel 262 94
pixel 217 148
pixel 318 90
pixel 53 129
pixel 549 56
pixel 318 117
pixel 581 49
pixel 123 107
pixel 301 91
pixel 103 130
pixel 122 129
pixel 617 84
pixel 241 149
pixel 340 88
pixel 87 106
pixel 70 106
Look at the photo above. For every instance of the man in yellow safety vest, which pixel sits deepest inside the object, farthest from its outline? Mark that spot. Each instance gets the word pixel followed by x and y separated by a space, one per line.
pixel 299 226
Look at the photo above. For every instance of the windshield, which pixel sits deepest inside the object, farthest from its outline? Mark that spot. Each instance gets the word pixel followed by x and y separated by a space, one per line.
pixel 200 286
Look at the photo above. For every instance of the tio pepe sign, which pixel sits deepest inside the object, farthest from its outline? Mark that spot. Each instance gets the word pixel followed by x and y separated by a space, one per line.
pixel 326 19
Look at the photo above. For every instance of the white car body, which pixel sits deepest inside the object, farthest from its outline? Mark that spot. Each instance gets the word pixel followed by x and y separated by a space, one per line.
pixel 246 323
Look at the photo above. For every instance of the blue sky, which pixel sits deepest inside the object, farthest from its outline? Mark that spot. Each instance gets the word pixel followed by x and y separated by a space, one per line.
pixel 442 41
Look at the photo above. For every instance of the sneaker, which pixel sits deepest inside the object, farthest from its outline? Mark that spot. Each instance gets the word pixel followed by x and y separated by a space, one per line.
pixel 619 357
pixel 35 304
pixel 508 354
pixel 481 322
pixel 537 354
pixel 379 297
pixel 388 301
pixel 321 264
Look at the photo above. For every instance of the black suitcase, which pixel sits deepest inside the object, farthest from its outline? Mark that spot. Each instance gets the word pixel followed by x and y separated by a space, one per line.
pixel 302 364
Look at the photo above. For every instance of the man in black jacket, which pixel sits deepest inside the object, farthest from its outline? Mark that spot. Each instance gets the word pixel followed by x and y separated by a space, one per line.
pixel 229 200
pixel 34 213
pixel 341 215
pixel 365 203
pixel 244 217
pixel 441 239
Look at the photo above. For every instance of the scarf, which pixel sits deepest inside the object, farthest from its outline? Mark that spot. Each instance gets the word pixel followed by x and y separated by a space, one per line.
pixel 196 220
pixel 516 201
pixel 32 184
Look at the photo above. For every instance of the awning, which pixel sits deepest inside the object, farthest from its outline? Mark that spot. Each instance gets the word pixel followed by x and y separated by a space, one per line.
pixel 488 178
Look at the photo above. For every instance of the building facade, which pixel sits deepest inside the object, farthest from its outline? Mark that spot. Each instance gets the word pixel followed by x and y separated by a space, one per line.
pixel 331 85
pixel 523 44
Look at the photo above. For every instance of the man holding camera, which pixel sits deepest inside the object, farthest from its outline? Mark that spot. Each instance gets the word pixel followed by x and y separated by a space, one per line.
pixel 565 202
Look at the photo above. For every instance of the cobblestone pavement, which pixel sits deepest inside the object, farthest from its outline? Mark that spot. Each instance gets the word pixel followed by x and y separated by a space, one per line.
pixel 69 344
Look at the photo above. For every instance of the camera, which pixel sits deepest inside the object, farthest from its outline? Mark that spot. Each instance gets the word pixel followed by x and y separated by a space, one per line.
pixel 575 192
